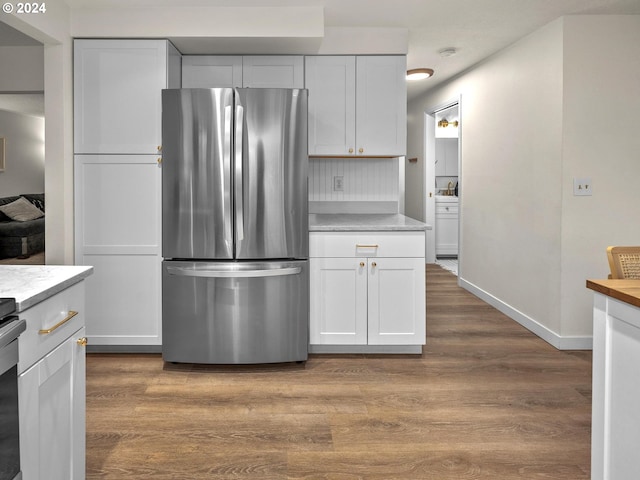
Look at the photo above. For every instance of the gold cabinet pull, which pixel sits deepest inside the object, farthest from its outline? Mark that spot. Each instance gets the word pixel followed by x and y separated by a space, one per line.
pixel 361 150
pixel 351 150
pixel 82 341
pixel 363 245
pixel 159 148
pixel 362 264
pixel 374 264
pixel 159 160
pixel 69 316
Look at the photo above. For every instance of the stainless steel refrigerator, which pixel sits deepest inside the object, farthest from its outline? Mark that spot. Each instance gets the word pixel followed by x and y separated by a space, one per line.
pixel 234 225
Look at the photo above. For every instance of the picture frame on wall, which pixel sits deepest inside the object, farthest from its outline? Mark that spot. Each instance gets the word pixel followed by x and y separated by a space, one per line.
pixel 1 154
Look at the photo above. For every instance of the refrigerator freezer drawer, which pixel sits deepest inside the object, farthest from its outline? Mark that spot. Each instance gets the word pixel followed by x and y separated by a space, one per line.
pixel 235 312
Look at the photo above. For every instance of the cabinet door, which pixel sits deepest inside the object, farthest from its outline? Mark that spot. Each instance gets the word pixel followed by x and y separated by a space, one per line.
pixel 52 414
pixel 446 229
pixel 211 71
pixel 338 303
pixel 441 158
pixel 451 156
pixel 118 231
pixel 381 106
pixel 273 71
pixel 331 81
pixel 446 157
pixel 396 301
pixel 117 101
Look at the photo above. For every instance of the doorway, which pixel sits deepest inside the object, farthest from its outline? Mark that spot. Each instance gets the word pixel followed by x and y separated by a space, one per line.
pixel 443 190
pixel 22 131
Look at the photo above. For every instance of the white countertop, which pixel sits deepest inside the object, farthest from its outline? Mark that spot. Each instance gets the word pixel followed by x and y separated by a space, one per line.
pixel 31 284
pixel 346 222
pixel 446 199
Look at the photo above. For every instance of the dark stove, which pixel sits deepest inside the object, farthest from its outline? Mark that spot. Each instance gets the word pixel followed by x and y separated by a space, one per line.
pixel 10 328
pixel 7 308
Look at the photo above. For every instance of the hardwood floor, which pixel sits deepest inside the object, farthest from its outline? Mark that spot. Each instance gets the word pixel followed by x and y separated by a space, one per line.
pixel 485 400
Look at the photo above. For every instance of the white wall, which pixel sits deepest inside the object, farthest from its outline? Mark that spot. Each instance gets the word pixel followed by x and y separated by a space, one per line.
pixel 24 154
pixel 532 119
pixel 22 69
pixel 600 140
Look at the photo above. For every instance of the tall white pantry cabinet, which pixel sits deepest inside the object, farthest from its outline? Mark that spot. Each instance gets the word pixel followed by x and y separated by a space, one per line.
pixel 117 165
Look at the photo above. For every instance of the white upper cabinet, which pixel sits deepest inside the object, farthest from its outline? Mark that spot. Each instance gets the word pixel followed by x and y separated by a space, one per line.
pixel 209 71
pixel 331 82
pixel 273 71
pixel 117 106
pixel 357 105
pixel 381 105
pixel 446 157
pixel 257 71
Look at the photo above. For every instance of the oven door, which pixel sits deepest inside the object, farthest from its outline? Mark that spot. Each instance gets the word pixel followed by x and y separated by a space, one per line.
pixel 9 420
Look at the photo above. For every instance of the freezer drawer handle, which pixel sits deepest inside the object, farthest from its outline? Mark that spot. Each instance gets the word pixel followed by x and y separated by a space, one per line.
pixel 189 272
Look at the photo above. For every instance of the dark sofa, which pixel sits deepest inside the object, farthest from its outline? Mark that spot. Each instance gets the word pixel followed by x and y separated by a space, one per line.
pixel 22 238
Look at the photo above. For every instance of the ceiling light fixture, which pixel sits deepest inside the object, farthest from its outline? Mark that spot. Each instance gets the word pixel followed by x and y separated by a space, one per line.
pixel 419 73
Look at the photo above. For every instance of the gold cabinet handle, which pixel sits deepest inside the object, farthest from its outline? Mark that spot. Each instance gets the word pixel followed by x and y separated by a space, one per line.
pixel 159 148
pixel 374 264
pixel 362 264
pixel 363 245
pixel 69 316
pixel 361 150
pixel 351 150
pixel 82 341
pixel 159 160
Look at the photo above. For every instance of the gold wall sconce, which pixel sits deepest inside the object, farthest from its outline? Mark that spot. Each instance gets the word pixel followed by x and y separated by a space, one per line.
pixel 444 123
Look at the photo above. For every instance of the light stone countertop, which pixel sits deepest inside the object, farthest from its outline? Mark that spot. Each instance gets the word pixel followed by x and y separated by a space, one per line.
pixel 363 222
pixel 446 199
pixel 31 284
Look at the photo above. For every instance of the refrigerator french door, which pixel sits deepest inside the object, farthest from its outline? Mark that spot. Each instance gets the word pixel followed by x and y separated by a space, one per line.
pixel 235 225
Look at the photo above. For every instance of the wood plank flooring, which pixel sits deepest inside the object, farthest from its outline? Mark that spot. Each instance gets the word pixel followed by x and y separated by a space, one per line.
pixel 485 400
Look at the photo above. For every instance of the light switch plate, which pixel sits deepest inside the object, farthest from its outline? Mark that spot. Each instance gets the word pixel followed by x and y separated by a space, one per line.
pixel 582 186
pixel 338 183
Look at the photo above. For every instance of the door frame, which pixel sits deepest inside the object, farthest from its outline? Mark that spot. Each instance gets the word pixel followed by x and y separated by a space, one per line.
pixel 430 177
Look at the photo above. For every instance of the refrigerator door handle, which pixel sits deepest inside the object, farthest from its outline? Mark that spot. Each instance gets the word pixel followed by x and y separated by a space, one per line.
pixel 228 233
pixel 238 170
pixel 212 273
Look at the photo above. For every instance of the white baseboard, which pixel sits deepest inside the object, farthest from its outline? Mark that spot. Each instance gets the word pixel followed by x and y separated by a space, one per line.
pixel 364 349
pixel 558 341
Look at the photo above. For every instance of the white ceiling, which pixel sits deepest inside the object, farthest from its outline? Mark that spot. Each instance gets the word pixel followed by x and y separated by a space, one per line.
pixel 475 28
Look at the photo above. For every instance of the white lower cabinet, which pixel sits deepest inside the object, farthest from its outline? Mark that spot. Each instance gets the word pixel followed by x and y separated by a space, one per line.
pixel 615 421
pixel 446 228
pixel 367 289
pixel 51 388
pixel 118 232
pixel 338 301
